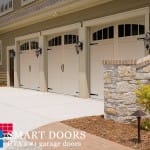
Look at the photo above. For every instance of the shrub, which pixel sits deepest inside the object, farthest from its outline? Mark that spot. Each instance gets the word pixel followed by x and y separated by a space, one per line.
pixel 145 125
pixel 143 96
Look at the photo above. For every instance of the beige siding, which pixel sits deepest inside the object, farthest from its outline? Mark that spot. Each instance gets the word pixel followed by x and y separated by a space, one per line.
pixel 110 8
pixel 17 4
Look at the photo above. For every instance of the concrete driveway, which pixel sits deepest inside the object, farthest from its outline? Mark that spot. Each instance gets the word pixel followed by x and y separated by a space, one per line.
pixel 28 109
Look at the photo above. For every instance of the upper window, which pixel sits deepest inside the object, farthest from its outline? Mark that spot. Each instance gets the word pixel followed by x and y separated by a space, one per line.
pixel 105 33
pixel 25 2
pixel 130 30
pixel 70 39
pixel 55 41
pixel 5 6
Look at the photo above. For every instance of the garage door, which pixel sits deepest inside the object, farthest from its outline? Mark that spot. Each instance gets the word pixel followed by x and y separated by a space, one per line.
pixel 63 64
pixel 29 65
pixel 108 44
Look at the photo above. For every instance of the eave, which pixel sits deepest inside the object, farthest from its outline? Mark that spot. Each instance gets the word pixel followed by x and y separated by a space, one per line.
pixel 23 17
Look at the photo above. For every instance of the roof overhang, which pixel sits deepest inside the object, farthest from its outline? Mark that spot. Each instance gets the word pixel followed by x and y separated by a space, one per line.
pixel 17 21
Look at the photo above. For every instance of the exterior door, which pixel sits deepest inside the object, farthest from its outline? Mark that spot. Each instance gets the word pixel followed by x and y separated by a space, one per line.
pixel 63 64
pixel 11 67
pixel 29 66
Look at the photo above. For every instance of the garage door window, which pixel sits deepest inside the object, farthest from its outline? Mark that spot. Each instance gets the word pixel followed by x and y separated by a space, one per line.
pixel 57 41
pixel 105 33
pixel 70 39
pixel 34 45
pixel 24 46
pixel 125 30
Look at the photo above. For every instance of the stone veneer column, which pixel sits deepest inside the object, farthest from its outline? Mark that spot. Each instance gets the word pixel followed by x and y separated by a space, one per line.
pixel 120 82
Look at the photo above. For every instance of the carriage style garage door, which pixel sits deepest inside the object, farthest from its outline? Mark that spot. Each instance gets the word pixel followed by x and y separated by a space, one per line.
pixel 113 41
pixel 29 65
pixel 63 63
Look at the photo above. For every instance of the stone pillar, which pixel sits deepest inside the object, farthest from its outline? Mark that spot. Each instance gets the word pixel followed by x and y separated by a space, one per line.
pixel 43 64
pixel 143 70
pixel 119 87
pixel 84 64
pixel 121 79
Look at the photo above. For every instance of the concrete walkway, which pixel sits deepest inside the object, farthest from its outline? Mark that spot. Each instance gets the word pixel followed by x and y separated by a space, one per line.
pixel 91 142
pixel 28 109
pixel 59 142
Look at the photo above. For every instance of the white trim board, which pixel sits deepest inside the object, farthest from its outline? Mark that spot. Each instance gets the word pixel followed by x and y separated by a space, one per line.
pixel 28 36
pixel 61 29
pixel 120 16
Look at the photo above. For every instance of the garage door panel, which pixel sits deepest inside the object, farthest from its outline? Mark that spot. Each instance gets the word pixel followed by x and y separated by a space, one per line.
pixel 35 71
pixel 130 49
pixel 24 70
pixel 70 62
pixel 70 74
pixel 99 52
pixel 54 69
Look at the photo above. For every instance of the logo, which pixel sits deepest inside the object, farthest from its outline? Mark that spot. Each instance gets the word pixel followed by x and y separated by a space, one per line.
pixel 6 130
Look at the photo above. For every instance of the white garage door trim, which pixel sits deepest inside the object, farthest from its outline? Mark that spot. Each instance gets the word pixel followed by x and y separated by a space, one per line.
pixel 66 28
pixel 28 36
pixel 121 16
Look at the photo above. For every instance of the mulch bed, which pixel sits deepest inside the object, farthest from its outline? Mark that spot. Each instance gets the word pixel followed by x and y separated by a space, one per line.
pixel 125 134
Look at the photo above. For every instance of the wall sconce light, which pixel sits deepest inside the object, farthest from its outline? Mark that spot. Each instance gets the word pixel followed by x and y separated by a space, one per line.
pixel 12 53
pixel 79 47
pixel 38 51
pixel 146 40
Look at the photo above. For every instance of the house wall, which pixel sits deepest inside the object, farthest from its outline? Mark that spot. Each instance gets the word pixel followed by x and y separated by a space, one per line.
pixel 110 8
pixel 17 4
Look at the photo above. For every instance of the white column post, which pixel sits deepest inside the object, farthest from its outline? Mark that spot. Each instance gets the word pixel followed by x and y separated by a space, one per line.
pixel 17 66
pixel 147 20
pixel 8 68
pixel 84 64
pixel 147 28
pixel 43 64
